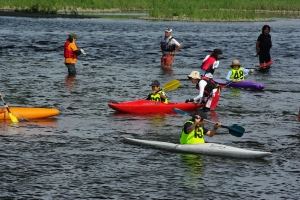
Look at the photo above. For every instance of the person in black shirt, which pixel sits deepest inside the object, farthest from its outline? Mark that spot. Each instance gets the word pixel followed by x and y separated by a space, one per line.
pixel 263 45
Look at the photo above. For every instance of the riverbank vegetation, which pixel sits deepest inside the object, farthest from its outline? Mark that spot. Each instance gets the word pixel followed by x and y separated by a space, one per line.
pixel 194 10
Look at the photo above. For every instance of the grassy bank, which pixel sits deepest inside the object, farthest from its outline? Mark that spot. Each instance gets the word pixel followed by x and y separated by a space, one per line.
pixel 165 9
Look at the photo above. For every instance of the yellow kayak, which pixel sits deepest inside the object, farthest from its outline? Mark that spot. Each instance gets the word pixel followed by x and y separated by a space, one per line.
pixel 29 113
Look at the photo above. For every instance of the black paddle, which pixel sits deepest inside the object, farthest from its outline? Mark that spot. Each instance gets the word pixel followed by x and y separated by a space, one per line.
pixel 234 130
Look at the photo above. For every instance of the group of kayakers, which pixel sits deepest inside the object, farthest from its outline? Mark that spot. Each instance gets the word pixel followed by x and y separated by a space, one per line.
pixel 193 130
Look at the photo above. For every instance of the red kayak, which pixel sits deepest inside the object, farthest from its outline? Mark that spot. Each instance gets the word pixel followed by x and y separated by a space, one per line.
pixel 147 106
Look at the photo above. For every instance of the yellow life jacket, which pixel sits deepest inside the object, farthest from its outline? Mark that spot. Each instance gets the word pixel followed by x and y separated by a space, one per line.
pixel 156 97
pixel 194 137
pixel 237 74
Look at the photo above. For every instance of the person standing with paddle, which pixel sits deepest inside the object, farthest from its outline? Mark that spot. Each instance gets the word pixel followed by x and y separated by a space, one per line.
pixel 208 93
pixel 193 130
pixel 71 52
pixel 263 45
pixel 169 46
pixel 157 93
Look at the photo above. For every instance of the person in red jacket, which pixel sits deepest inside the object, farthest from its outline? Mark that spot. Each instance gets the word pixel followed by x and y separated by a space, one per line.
pixel 210 63
pixel 71 52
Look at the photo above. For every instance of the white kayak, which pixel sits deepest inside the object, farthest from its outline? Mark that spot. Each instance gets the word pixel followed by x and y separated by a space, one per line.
pixel 207 148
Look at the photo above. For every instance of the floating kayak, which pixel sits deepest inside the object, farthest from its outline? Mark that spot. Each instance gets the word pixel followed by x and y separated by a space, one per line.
pixel 29 113
pixel 207 149
pixel 242 84
pixel 147 106
pixel 265 67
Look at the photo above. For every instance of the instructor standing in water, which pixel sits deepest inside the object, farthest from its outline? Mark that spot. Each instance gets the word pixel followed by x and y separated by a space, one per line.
pixel 263 45
pixel 169 46
pixel 71 52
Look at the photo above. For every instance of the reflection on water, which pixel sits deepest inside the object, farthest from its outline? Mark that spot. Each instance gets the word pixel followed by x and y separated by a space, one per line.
pixel 39 126
pixel 213 116
pixel 139 123
pixel 235 92
pixel 192 167
pixel 70 83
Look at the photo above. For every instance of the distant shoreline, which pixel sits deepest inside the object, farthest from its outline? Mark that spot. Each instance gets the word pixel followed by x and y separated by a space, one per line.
pixel 83 14
pixel 42 15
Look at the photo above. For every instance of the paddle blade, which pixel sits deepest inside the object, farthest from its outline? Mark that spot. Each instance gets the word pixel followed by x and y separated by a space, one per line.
pixel 181 112
pixel 12 117
pixel 236 130
pixel 172 85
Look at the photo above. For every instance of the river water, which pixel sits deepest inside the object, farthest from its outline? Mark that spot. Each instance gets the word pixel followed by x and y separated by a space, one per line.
pixel 80 153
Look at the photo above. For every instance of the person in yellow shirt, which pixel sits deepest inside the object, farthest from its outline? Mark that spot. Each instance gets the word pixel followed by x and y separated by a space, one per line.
pixel 71 52
pixel 193 130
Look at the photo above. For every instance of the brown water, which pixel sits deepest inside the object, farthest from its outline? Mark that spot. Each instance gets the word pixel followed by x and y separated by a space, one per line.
pixel 80 154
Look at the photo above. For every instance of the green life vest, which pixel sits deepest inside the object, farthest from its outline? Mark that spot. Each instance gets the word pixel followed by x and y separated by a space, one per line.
pixel 156 97
pixel 194 137
pixel 237 74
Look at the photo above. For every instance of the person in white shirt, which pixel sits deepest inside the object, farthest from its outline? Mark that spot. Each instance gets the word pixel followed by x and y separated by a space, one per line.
pixel 169 46
pixel 208 93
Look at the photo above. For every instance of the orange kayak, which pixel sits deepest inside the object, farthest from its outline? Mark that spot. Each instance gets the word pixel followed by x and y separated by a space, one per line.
pixel 29 113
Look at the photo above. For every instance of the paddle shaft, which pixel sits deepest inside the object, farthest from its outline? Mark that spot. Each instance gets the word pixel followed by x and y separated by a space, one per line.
pixel 214 123
pixel 12 117
pixel 237 79
pixel 5 104
pixel 234 130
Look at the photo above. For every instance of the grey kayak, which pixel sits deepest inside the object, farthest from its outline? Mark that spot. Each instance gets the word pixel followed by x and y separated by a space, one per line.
pixel 207 148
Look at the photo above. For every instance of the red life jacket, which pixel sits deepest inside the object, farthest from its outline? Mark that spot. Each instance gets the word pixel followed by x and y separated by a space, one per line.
pixel 208 63
pixel 68 53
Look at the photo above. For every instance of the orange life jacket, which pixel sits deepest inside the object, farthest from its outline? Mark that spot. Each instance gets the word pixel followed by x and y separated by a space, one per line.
pixel 67 52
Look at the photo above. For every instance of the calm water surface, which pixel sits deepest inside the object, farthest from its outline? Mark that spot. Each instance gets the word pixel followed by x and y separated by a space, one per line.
pixel 80 153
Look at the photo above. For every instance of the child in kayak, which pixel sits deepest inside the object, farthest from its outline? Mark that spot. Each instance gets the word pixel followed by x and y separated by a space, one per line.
pixel 237 72
pixel 193 130
pixel 208 92
pixel 157 93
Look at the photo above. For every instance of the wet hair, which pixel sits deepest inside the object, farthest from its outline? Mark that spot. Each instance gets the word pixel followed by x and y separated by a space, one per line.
pixel 264 27
pixel 215 53
pixel 70 39
pixel 200 113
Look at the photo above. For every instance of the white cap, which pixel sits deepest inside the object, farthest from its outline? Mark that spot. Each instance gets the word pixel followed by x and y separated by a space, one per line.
pixel 169 30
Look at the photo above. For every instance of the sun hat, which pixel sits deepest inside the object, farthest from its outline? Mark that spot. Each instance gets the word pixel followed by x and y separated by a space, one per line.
pixel 235 63
pixel 218 51
pixel 155 83
pixel 194 75
pixel 169 30
pixel 72 35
